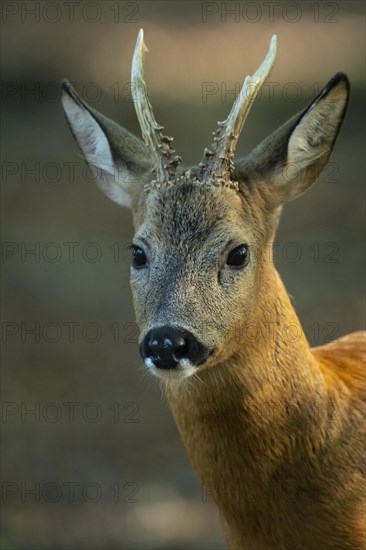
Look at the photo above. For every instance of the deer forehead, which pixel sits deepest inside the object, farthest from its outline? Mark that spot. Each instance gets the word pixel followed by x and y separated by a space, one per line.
pixel 192 215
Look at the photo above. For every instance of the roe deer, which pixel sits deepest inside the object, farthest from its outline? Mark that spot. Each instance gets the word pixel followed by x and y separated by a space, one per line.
pixel 252 407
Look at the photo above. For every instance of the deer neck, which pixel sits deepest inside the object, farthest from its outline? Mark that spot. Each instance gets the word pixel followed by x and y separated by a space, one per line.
pixel 240 419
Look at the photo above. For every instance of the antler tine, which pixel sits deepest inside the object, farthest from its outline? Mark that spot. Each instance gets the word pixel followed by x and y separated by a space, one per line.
pixel 217 162
pixel 163 156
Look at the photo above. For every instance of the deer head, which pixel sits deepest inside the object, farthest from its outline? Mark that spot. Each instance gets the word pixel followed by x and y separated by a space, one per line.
pixel 200 251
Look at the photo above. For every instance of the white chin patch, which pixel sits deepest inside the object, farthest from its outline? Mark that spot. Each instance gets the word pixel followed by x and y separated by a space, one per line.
pixel 183 370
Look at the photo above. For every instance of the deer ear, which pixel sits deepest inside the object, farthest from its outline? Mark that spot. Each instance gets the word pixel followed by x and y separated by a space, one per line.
pixel 118 159
pixel 292 158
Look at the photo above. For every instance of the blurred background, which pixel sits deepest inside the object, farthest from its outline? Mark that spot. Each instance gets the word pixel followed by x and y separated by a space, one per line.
pixel 91 457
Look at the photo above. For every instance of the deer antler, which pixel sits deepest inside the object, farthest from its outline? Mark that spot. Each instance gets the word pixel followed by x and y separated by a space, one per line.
pixel 217 162
pixel 165 162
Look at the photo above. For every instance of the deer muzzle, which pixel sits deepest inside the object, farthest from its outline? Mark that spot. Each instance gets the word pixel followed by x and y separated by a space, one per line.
pixel 173 349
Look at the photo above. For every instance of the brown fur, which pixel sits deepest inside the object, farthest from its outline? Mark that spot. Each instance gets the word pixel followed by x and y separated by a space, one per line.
pixel 277 433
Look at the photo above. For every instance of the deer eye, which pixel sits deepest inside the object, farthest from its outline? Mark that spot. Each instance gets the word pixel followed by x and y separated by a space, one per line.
pixel 239 256
pixel 138 257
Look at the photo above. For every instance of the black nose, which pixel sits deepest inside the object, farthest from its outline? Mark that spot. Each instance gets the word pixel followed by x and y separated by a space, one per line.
pixel 166 346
